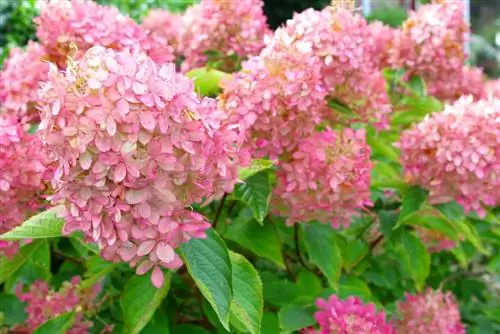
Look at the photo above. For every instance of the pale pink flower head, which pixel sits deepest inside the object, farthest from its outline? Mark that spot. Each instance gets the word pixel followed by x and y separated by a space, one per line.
pixel 429 312
pixel 451 86
pixel 134 147
pixel 326 179
pixel 43 304
pixel 492 88
pixel 435 241
pixel 229 27
pixel 165 24
pixel 22 177
pixel 20 79
pixel 350 316
pixel 84 23
pixel 381 40
pixel 455 154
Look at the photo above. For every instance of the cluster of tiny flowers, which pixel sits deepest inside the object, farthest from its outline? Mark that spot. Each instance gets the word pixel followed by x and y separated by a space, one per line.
pixel 492 88
pixel 456 153
pixel 429 312
pixel 349 316
pixel 22 177
pixel 434 240
pixel 281 95
pixel 229 27
pixel 43 304
pixel 135 146
pixel 20 79
pixel 382 38
pixel 466 81
pixel 166 25
pixel 326 179
pixel 84 24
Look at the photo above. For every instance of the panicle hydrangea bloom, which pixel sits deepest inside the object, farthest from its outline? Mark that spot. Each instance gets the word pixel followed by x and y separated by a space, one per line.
pixel 20 78
pixel 22 177
pixel 350 316
pixel 381 40
pixel 452 86
pixel 44 304
pixel 429 312
pixel 456 154
pixel 135 146
pixel 166 25
pixel 281 95
pixel 230 27
pixel 434 240
pixel 326 179
pixel 84 23
pixel 492 88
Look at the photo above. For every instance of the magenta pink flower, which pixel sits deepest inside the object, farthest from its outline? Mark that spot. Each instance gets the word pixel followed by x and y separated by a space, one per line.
pixel 455 154
pixel 20 78
pixel 44 304
pixel 326 179
pixel 230 27
pixel 350 316
pixel 135 147
pixel 22 177
pixel 429 312
pixel 85 24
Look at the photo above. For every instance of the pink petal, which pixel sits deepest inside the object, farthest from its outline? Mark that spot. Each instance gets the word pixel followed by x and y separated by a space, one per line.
pixel 157 277
pixel 165 252
pixel 136 196
pixel 146 247
pixel 147 121
pixel 144 267
pixel 120 173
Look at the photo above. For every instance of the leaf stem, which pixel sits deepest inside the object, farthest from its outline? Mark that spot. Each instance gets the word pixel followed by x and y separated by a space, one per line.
pixel 219 210
pixel 297 248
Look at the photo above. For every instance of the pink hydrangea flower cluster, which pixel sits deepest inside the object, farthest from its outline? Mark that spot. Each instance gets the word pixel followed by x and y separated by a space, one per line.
pixel 492 88
pixel 382 39
pixel 350 316
pixel 455 154
pixel 326 179
pixel 20 78
pixel 281 96
pixel 84 23
pixel 134 147
pixel 22 177
pixel 167 25
pixel 434 240
pixel 230 27
pixel 44 304
pixel 466 81
pixel 429 312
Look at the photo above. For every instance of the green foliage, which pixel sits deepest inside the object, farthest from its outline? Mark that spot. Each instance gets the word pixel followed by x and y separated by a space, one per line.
pixel 58 325
pixel 46 224
pixel 256 193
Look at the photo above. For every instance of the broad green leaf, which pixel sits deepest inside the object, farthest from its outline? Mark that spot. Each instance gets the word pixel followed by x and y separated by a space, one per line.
pixel 9 266
pixel 342 108
pixel 452 210
pixel 414 257
pixel 380 147
pixel 97 268
pixel 471 234
pixel 256 165
pixel 270 323
pixel 248 301
pixel 46 224
pixel 256 193
pixel 353 286
pixel 206 80
pixel 279 291
pixel 260 239
pixel 417 108
pixel 140 300
pixel 58 325
pixel 388 220
pixel 413 200
pixel 295 317
pixel 417 85
pixel 355 252
pixel 12 309
pixel 207 261
pixel 188 329
pixel 436 223
pixel 213 318
pixel 157 324
pixel 323 251
pixel 82 246
pixel 309 285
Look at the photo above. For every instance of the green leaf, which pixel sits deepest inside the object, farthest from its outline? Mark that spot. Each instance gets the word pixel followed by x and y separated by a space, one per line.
pixel 323 251
pixel 417 85
pixel 97 268
pixel 355 252
pixel 12 309
pixel 248 302
pixel 256 193
pixel 413 200
pixel 414 257
pixel 157 324
pixel 9 266
pixel 388 220
pixel 353 286
pixel 342 108
pixel 256 166
pixel 279 291
pixel 188 329
pixel 140 300
pixel 46 224
pixel 206 81
pixel 270 323
pixel 295 317
pixel 259 239
pixel 207 261
pixel 58 325
pixel 471 234
pixel 381 147
pixel 309 285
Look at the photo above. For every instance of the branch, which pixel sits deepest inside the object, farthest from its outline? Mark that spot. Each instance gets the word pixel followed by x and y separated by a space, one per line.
pixel 219 210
